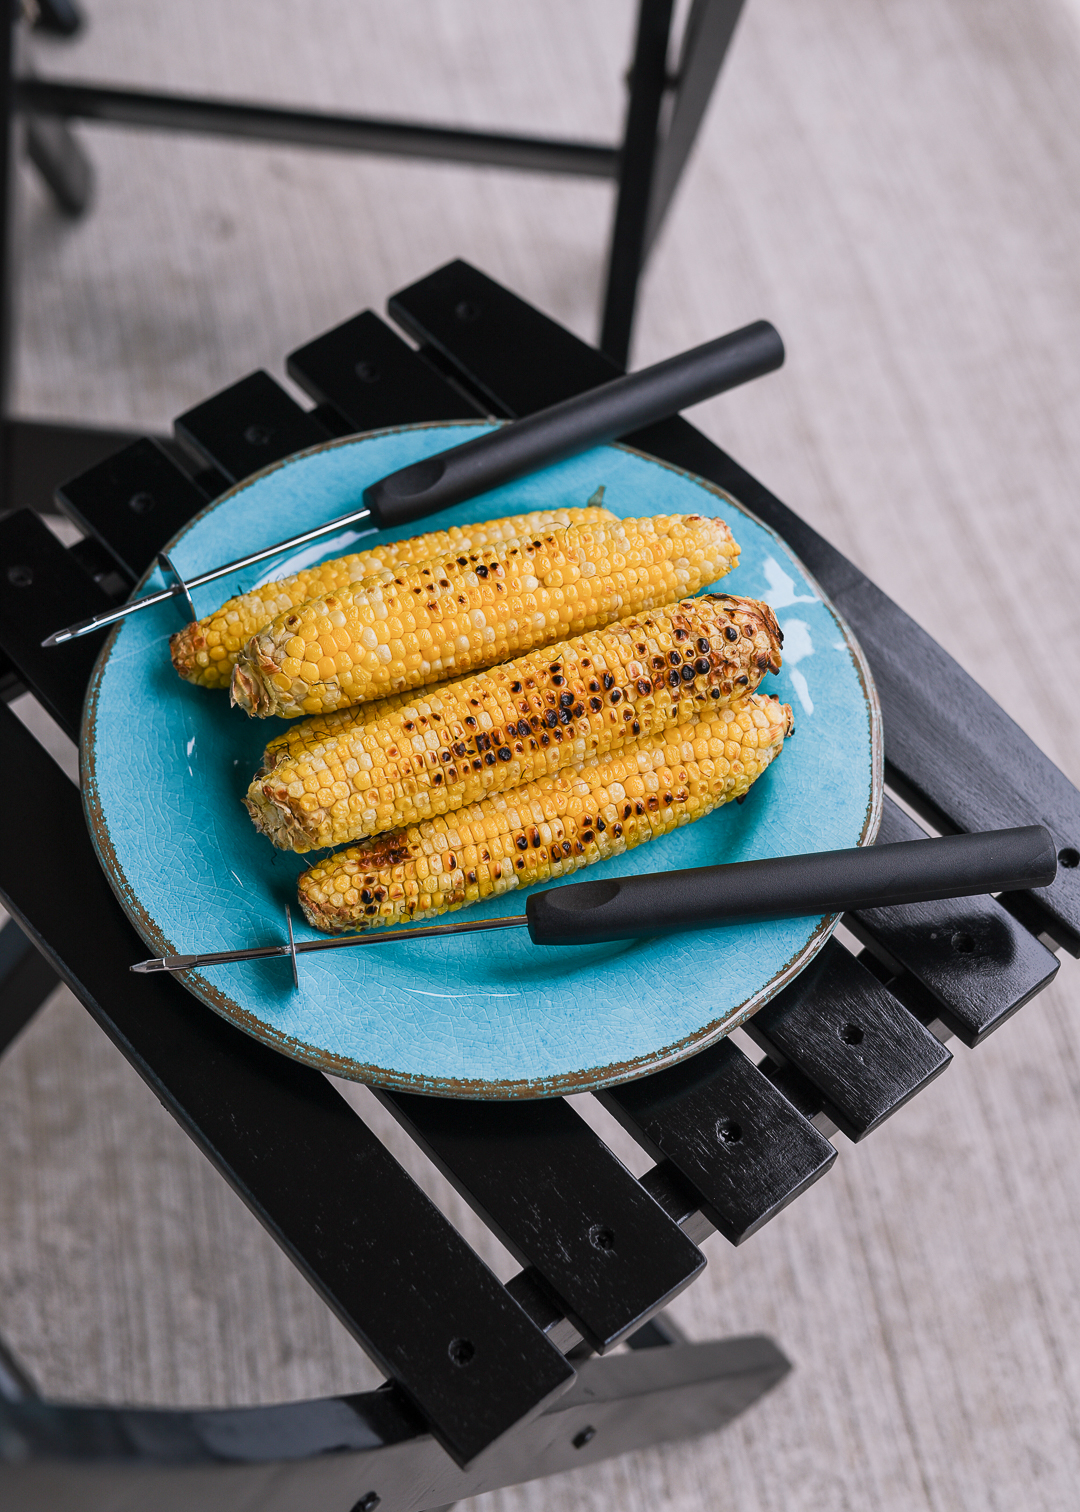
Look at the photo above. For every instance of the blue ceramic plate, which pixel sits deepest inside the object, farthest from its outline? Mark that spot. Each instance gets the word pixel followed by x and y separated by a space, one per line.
pixel 481 1015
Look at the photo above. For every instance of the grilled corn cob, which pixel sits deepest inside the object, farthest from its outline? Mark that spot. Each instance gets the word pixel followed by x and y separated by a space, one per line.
pixel 424 622
pixel 547 710
pixel 549 828
pixel 206 652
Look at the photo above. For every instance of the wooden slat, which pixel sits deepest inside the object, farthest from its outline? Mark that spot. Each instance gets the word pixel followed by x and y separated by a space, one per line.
pixel 133 502
pixel 248 426
pixel 373 378
pixel 848 1035
pixel 42 589
pixel 401 1279
pixel 973 961
pixel 995 776
pixel 745 1150
pixel 561 1202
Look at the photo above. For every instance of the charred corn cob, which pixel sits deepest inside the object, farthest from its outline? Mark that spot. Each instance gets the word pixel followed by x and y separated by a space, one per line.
pixel 206 652
pixel 425 622
pixel 549 828
pixel 490 732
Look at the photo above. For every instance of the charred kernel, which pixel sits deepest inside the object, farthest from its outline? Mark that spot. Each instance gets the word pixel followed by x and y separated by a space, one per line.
pixel 436 778
pixel 616 830
pixel 566 700
pixel 743 680
pixel 714 692
pixel 365 896
pixel 762 661
pixel 601 826
pixel 545 740
pixel 558 681
pixel 703 645
pixel 635 728
pixel 520 863
pixel 748 631
pixel 644 686
pixel 566 847
pixel 608 680
pixel 523 726
pixel 469 720
pixel 565 717
pixel 515 687
pixel 555 666
pixel 628 809
pixel 588 837
pixel 481 571
pixel 595 704
pixel 489 758
pixel 534 838
pixel 551 719
pixel 687 673
pixel 578 711
pixel 522 842
pixel 703 664
pixel 616 696
pixel 658 662
pixel 673 678
pixel 674 658
pixel 731 632
pixel 594 686
pixel 444 755
pixel 505 753
pixel 680 632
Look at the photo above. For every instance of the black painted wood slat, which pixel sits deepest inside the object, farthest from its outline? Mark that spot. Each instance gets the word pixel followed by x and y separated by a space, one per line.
pixel 43 588
pixel 248 426
pixel 398 1275
pixel 848 1035
pixel 133 503
pixel 562 1203
pixel 727 1130
pixel 995 776
pixel 365 371
pixel 976 962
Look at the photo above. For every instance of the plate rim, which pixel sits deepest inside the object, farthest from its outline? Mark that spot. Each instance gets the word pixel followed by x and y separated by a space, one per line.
pixel 456 1088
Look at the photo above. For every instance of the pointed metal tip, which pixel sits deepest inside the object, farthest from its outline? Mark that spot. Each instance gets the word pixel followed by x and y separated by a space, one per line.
pixel 57 638
pixel 144 966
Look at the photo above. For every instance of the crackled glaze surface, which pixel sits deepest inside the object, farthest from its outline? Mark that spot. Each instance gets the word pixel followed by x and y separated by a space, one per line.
pixel 490 1015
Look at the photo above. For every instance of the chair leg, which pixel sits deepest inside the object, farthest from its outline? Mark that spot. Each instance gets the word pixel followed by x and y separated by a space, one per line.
pixel 648 80
pixel 60 18
pixel 709 30
pixel 62 163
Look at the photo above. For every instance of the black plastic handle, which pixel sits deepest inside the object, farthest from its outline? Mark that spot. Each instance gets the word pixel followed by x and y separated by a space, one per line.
pixel 600 414
pixel 789 887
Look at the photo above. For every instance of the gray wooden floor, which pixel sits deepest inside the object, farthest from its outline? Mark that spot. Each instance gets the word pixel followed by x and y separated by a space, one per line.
pixel 897 185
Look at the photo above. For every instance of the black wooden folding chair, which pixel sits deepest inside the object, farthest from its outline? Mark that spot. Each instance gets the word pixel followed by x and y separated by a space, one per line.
pixel 487 1384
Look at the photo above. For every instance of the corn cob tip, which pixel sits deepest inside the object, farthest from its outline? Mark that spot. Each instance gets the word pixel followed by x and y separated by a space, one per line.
pixel 184 647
